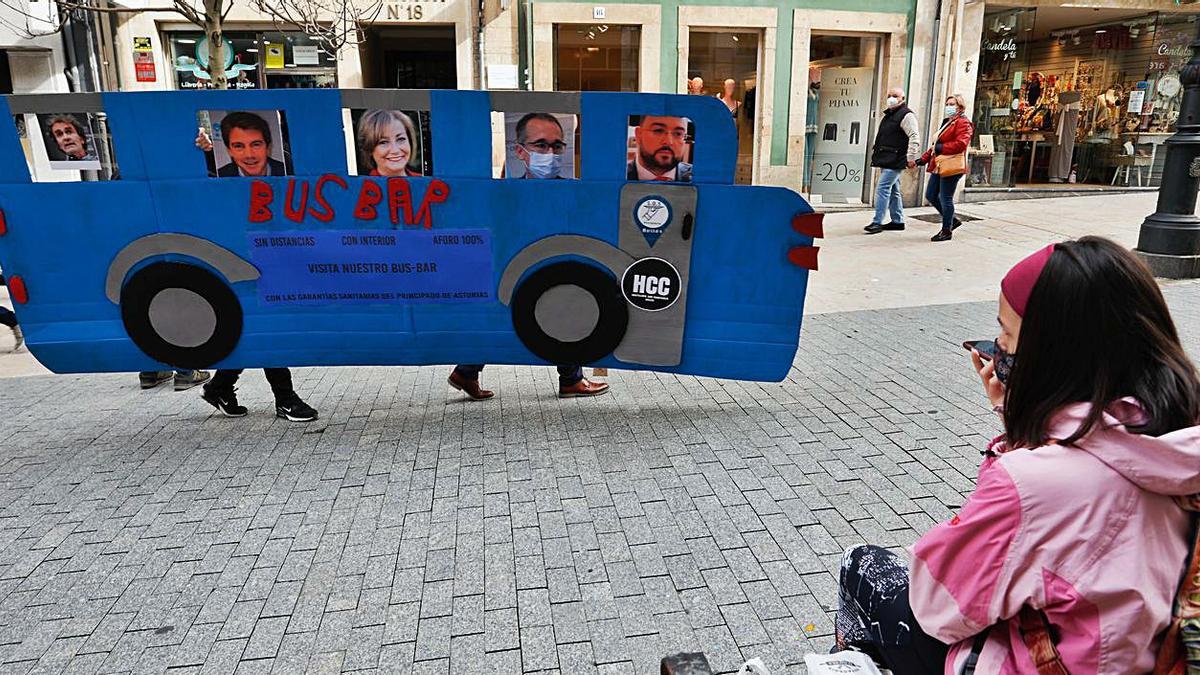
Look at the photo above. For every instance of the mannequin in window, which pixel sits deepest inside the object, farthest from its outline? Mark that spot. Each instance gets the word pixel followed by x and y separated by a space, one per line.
pixel 726 96
pixel 810 123
pixel 1064 140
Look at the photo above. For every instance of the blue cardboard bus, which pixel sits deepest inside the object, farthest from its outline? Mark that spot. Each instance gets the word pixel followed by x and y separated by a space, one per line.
pixel 315 262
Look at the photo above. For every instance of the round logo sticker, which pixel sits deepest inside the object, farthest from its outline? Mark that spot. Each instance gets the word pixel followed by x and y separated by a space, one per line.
pixel 653 213
pixel 651 284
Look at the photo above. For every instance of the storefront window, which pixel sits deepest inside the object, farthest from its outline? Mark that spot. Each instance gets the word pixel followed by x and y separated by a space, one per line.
pixel 725 65
pixel 253 60
pixel 596 57
pixel 841 112
pixel 1059 102
pixel 189 52
pixel 296 61
pixel 1003 64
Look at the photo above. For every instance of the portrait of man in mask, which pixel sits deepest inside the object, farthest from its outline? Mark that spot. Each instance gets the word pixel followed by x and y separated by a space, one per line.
pixel 540 148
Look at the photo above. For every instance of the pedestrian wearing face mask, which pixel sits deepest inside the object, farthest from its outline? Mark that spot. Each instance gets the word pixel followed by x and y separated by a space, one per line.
pixel 540 146
pixel 947 162
pixel 897 147
pixel 1074 542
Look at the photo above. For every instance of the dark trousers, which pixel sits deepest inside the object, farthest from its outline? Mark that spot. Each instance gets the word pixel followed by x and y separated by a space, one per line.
pixel 280 380
pixel 7 318
pixel 874 615
pixel 940 195
pixel 567 375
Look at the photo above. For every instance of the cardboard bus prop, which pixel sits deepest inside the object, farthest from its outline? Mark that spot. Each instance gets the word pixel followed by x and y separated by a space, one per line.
pixel 325 227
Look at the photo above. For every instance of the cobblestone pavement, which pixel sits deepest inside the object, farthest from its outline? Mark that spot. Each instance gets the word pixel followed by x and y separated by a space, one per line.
pixel 410 530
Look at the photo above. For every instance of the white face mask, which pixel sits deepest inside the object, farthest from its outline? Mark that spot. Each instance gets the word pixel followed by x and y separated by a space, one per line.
pixel 892 102
pixel 951 110
pixel 547 165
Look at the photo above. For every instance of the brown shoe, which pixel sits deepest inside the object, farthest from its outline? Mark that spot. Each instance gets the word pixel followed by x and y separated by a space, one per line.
pixel 469 387
pixel 583 388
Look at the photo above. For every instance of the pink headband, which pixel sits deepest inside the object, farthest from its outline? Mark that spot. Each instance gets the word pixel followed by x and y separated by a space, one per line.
pixel 1019 282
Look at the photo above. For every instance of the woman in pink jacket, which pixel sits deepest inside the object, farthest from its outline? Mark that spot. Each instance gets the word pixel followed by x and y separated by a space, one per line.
pixel 1073 515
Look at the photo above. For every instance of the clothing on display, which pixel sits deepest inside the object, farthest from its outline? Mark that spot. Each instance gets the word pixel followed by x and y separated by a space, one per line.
pixel 830 132
pixel 855 129
pixel 733 109
pixel 1064 140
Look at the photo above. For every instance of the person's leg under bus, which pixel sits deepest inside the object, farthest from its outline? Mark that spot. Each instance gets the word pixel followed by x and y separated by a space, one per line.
pixel 288 405
pixel 465 378
pixel 572 384
pixel 220 393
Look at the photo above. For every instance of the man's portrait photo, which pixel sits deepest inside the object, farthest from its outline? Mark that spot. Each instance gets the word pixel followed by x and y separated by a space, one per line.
pixel 539 145
pixel 247 143
pixel 70 140
pixel 661 148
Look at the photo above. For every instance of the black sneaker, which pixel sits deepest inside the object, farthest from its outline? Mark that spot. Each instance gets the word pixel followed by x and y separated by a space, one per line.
pixel 295 410
pixel 226 402
pixel 944 235
pixel 876 228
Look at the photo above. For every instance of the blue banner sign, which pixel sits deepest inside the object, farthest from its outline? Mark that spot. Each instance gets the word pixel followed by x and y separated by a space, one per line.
pixel 373 266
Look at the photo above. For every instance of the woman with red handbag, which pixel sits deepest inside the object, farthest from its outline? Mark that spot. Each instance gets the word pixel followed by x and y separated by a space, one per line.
pixel 947 162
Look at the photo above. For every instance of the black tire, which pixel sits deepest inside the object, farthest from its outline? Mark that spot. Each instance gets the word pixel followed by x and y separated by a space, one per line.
pixel 605 335
pixel 226 321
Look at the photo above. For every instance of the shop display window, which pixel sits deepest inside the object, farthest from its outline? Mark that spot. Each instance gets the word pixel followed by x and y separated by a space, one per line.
pixel 254 60
pixel 1064 103
pixel 724 64
pixel 843 91
pixel 596 57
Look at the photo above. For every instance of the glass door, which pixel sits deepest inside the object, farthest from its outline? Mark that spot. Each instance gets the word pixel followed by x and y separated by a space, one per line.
pixel 726 63
pixel 841 117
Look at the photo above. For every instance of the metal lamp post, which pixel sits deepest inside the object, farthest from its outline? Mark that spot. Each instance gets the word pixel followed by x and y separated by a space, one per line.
pixel 1170 238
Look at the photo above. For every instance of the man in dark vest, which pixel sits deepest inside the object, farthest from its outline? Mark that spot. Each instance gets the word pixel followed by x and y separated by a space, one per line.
pixel 897 147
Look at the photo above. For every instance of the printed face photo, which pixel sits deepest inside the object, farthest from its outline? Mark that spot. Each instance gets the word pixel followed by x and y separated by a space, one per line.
pixel 244 143
pixel 70 140
pixel 539 145
pixel 660 148
pixel 391 143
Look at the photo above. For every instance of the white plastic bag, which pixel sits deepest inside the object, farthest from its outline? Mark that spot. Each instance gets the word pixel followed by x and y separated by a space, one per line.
pixel 841 663
pixel 754 667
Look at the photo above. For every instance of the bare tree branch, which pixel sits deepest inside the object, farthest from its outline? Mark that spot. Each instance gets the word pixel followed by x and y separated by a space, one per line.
pixel 332 24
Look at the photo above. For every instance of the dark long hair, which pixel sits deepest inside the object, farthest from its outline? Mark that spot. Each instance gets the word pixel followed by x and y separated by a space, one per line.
pixel 1096 329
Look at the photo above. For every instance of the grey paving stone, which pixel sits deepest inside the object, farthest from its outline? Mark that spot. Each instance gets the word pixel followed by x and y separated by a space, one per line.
pixel 266 638
pixel 468 616
pixel 533 608
pixel 538 649
pixel 576 657
pixel 608 641
pixel 501 630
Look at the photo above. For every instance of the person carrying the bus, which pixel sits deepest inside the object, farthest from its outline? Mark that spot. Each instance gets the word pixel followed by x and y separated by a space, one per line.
pixel 248 139
pixel 540 146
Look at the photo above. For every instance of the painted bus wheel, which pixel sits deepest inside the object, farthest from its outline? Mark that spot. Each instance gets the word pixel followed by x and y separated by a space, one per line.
pixel 181 315
pixel 570 313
